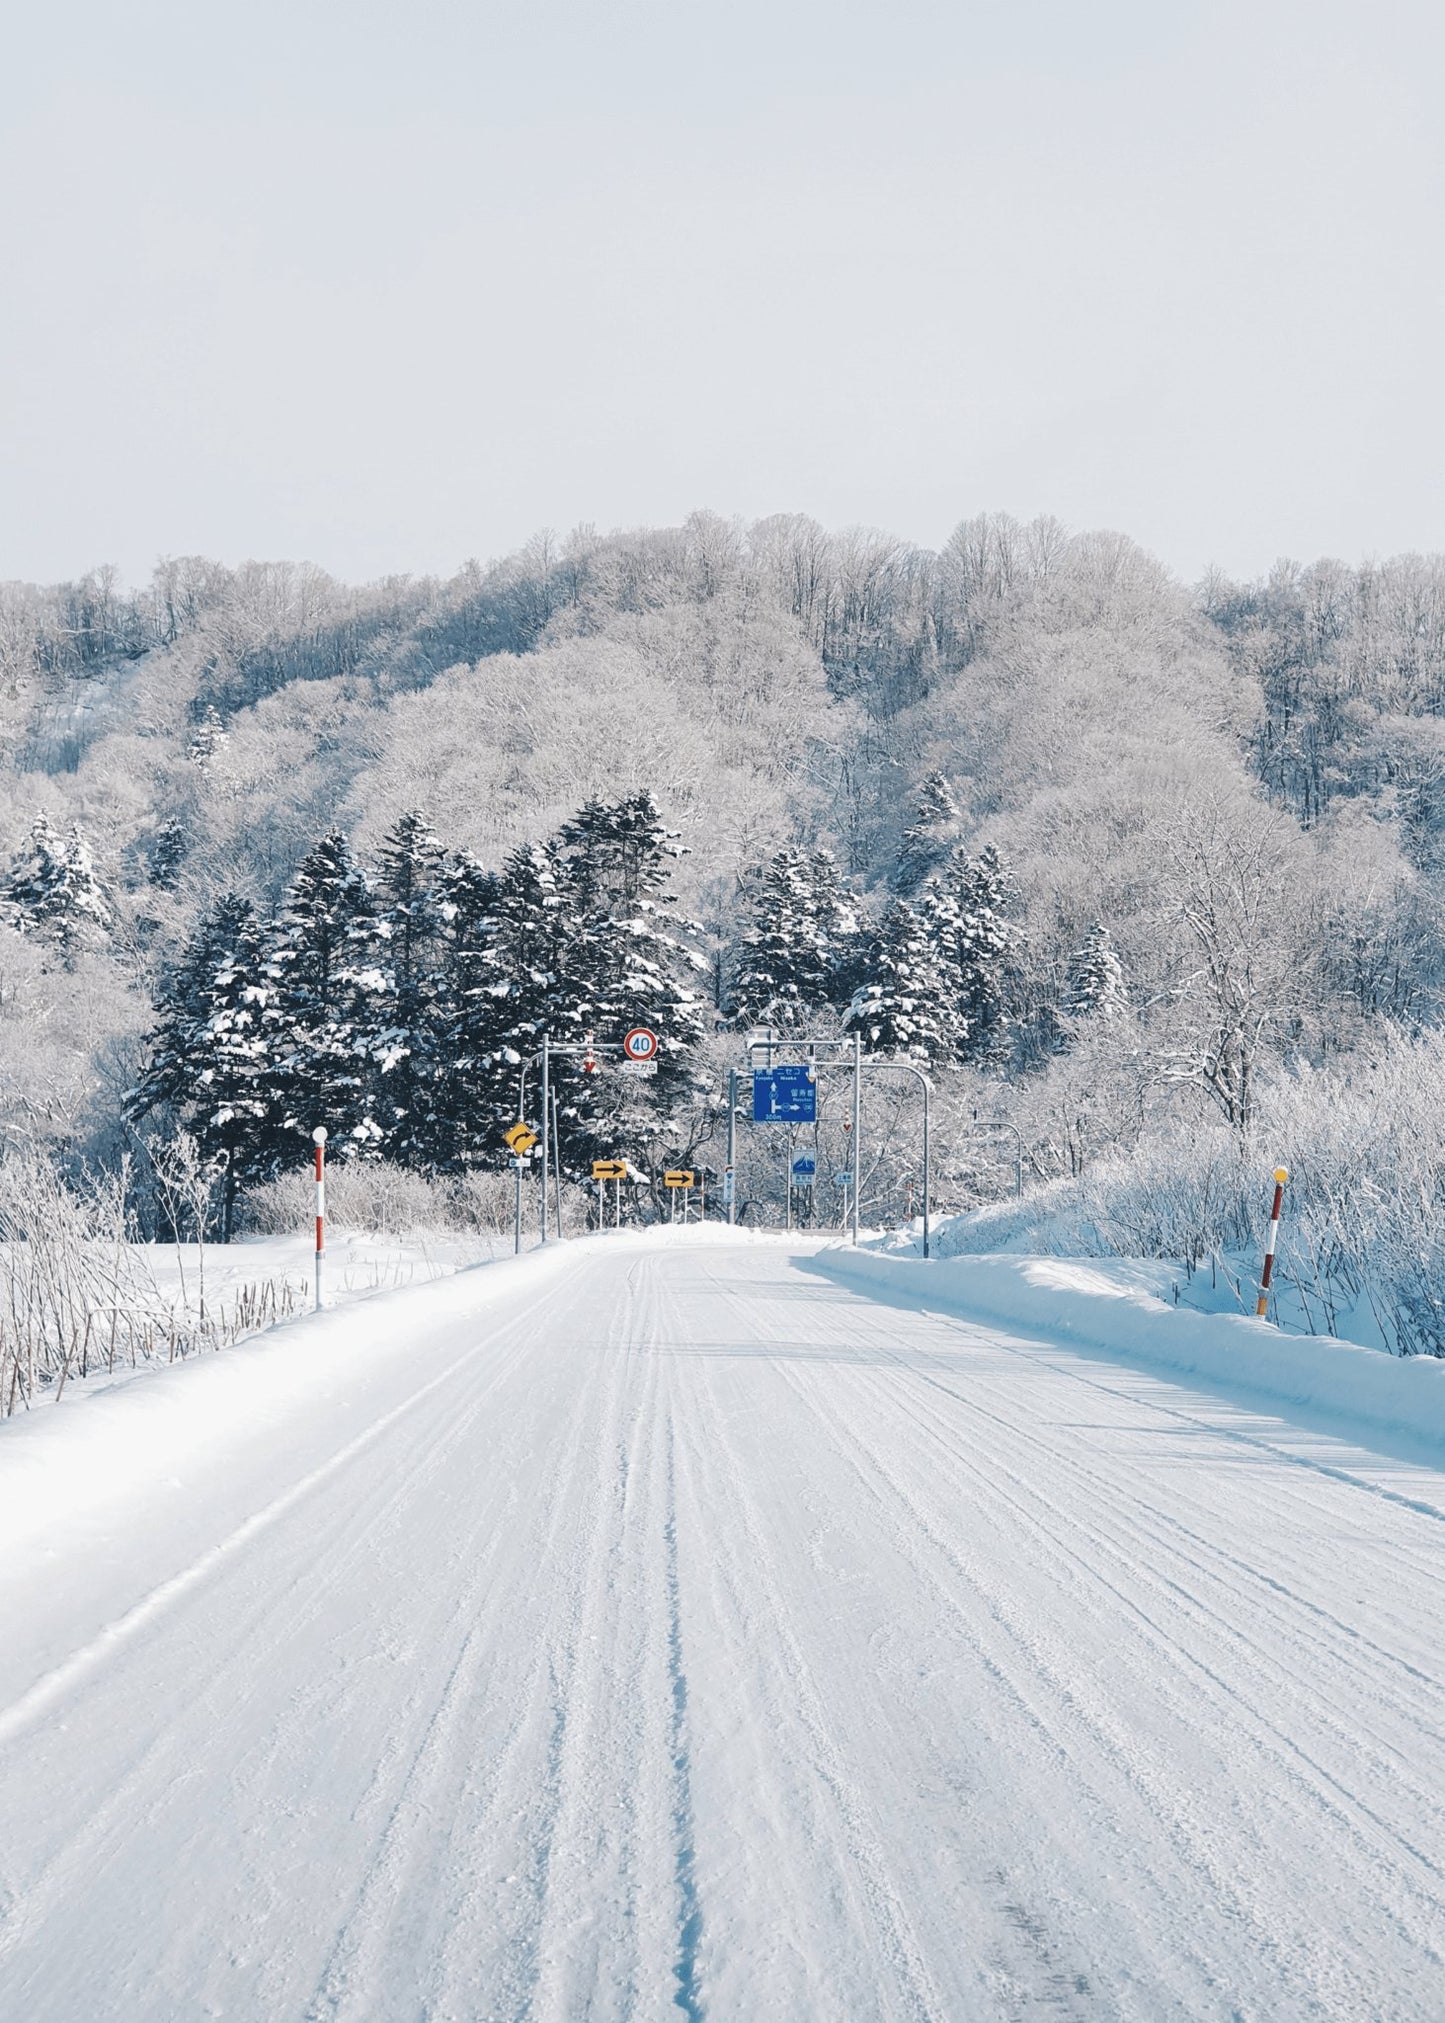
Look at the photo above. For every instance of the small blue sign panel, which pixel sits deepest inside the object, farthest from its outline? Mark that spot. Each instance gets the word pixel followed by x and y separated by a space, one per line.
pixel 803 1164
pixel 786 1095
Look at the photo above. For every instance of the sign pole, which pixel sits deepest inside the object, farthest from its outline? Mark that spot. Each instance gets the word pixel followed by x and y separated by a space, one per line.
pixel 857 1125
pixel 732 1180
pixel 546 1098
pixel 517 1210
pixel 318 1139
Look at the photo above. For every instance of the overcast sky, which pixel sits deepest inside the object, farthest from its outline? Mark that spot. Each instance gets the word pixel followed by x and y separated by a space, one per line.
pixel 386 285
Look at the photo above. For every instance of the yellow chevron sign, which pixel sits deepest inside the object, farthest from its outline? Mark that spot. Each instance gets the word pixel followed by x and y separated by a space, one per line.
pixel 609 1169
pixel 682 1178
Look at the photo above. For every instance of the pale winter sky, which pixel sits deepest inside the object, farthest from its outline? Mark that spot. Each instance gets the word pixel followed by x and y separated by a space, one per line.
pixel 388 283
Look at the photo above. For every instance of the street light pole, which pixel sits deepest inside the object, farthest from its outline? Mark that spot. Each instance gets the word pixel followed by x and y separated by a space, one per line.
pixel 546 1113
pixel 732 1173
pixel 857 1125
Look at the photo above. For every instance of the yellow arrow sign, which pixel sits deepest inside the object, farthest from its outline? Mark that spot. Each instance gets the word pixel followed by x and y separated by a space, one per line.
pixel 521 1138
pixel 682 1178
pixel 609 1169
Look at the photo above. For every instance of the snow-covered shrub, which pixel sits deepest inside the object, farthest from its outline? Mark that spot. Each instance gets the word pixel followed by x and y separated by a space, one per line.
pixel 1364 1141
pixel 378 1198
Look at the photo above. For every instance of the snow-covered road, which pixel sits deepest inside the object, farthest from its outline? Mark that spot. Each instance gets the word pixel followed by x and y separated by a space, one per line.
pixel 681 1631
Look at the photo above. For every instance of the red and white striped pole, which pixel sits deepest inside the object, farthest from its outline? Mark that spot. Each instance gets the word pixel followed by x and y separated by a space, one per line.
pixel 1281 1174
pixel 318 1139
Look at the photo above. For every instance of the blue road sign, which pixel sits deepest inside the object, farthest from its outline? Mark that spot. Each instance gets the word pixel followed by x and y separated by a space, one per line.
pixel 803 1164
pixel 786 1095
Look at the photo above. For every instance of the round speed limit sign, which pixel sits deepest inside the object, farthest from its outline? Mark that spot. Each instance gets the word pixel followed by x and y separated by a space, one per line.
pixel 640 1044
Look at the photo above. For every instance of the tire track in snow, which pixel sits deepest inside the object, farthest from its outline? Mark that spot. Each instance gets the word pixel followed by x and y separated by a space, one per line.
pixel 343 1542
pixel 856 1849
pixel 1027 1498
pixel 517 1805
pixel 978 1460
pixel 690 1925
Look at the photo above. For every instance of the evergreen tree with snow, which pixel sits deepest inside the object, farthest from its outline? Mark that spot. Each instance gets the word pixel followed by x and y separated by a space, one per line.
pixel 801 950
pixel 929 837
pixel 799 940
pixel 404 1038
pixel 624 966
pixel 326 983
pixel 501 988
pixel 903 1005
pixel 208 1052
pixel 168 852
pixel 839 928
pixel 209 736
pixel 1095 986
pixel 963 909
pixel 54 890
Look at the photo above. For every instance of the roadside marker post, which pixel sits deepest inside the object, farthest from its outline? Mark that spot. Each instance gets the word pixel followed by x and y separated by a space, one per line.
pixel 318 1139
pixel 1281 1175
pixel 678 1181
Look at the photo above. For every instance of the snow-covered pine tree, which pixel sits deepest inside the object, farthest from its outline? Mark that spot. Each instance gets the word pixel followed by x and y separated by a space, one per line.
pixel 506 937
pixel 207 739
pixel 404 1039
pixel 1095 986
pixel 903 1005
pixel 54 891
pixel 929 837
pixel 785 964
pixel 800 950
pixel 177 1050
pixel 623 968
pixel 208 1053
pixel 167 853
pixel 838 926
pixel 326 981
pixel 963 909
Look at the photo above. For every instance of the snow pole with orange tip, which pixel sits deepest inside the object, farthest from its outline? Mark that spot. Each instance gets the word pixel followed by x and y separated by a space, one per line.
pixel 318 1139
pixel 1281 1175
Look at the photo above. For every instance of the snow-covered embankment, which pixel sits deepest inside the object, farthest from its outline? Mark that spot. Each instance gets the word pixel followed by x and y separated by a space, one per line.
pixel 1092 1303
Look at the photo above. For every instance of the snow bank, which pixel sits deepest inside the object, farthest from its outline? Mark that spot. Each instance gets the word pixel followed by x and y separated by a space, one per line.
pixel 1100 1305
pixel 59 1461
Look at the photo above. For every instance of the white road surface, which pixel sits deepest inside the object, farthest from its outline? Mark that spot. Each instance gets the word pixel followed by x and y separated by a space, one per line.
pixel 684 1633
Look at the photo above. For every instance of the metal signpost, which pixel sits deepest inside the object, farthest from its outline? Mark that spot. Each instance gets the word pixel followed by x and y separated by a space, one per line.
pixel 520 1138
pixel 639 1048
pixel 604 1170
pixel 786 1093
pixel 679 1181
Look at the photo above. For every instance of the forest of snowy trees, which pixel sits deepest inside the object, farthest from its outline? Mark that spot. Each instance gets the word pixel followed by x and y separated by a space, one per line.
pixel 1150 876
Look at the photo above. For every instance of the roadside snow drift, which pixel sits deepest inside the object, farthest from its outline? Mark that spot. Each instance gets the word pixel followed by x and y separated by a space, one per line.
pixel 1087 1302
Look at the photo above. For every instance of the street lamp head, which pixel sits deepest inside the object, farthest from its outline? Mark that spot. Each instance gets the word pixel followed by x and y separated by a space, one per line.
pixel 318 1136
